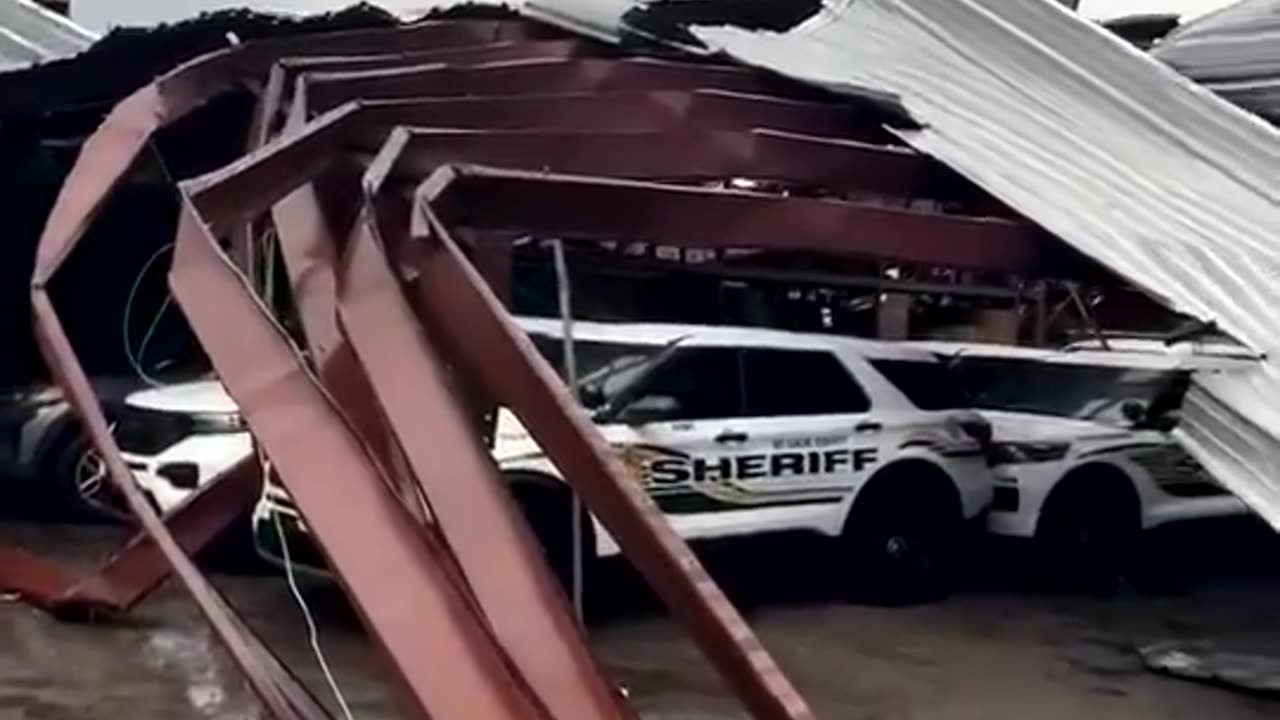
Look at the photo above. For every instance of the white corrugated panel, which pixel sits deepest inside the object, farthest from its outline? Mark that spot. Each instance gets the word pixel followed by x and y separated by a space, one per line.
pixel 30 34
pixel 1234 52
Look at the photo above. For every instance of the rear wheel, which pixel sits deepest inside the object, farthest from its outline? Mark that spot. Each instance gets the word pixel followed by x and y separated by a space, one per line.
pixel 901 537
pixel 1088 531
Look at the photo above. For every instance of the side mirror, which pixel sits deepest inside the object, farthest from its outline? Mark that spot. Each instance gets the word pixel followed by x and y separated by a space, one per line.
pixel 591 396
pixel 650 408
pixel 1134 411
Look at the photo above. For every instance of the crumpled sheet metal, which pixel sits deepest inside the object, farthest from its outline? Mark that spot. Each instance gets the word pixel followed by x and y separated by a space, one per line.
pixel 1250 672
pixel 1233 52
pixel 1230 426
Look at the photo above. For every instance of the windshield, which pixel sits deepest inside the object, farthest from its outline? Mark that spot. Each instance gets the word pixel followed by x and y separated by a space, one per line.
pixel 1085 392
pixel 604 368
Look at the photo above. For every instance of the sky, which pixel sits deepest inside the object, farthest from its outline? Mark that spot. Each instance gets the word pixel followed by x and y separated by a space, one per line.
pixel 101 15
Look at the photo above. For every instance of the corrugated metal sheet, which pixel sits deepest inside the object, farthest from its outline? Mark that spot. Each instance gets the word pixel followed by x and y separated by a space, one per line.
pixel 30 34
pixel 1235 52
pixel 1115 153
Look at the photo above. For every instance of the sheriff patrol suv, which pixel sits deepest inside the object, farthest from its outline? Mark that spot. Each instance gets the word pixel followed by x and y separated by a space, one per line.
pixel 1082 457
pixel 733 431
pixel 740 431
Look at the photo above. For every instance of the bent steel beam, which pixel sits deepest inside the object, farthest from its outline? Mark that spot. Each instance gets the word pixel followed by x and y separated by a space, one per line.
pixel 497 553
pixel 394 569
pixel 652 110
pixel 325 91
pixel 104 159
pixel 527 616
pixel 468 320
pixel 129 574
pixel 576 207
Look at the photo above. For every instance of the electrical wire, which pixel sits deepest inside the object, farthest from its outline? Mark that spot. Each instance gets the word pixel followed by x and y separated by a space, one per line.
pixel 135 361
pixel 313 633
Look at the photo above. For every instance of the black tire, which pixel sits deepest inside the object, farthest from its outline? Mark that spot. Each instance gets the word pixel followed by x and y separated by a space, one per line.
pixel 78 485
pixel 548 508
pixel 1088 531
pixel 901 537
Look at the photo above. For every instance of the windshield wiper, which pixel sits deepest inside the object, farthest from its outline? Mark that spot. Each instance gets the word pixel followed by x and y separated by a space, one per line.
pixel 645 364
pixel 661 354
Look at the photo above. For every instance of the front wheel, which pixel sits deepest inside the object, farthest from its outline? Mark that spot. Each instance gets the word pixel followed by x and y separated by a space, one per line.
pixel 1086 535
pixel 902 546
pixel 81 484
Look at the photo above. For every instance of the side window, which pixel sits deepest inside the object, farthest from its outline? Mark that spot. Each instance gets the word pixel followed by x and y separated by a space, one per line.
pixel 694 384
pixel 928 385
pixel 800 382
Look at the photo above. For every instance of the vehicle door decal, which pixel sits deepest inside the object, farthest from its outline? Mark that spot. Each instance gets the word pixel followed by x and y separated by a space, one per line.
pixel 680 482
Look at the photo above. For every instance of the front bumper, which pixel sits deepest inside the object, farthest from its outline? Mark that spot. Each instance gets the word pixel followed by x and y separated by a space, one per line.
pixel 171 475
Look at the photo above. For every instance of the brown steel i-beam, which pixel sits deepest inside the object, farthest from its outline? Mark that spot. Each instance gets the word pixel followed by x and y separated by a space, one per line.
pixel 597 208
pixel 797 161
pixel 104 159
pixel 497 553
pixel 445 660
pixel 555 203
pixel 654 110
pixel 284 73
pixel 467 318
pixel 325 91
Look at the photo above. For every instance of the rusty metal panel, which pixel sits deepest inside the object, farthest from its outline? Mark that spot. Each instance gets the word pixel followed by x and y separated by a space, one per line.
pixel 469 321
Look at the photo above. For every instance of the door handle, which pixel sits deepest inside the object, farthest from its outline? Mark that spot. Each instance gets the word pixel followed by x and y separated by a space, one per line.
pixel 729 436
pixel 868 426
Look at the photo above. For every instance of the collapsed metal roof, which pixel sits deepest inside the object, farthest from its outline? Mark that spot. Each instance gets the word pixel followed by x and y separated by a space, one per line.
pixel 1162 181
pixel 1235 52
pixel 30 34
pixel 373 204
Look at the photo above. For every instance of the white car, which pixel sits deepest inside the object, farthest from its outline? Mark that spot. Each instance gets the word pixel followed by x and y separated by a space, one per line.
pixel 1080 449
pixel 739 431
pixel 733 431
pixel 175 438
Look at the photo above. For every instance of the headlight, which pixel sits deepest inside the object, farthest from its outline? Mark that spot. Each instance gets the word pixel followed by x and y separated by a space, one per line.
pixel 208 423
pixel 1027 452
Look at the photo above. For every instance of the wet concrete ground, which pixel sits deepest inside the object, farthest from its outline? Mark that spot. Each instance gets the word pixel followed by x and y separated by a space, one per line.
pixel 995 649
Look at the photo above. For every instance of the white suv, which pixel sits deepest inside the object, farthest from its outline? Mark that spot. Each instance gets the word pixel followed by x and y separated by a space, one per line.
pixel 738 431
pixel 734 431
pixel 176 437
pixel 1082 456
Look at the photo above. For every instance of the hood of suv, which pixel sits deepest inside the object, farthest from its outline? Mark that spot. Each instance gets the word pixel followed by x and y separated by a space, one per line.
pixel 1030 427
pixel 201 396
